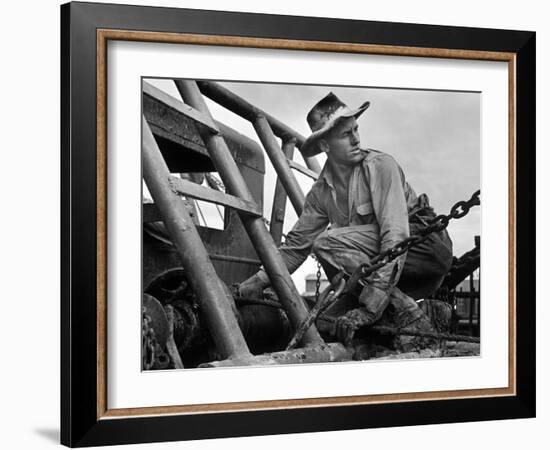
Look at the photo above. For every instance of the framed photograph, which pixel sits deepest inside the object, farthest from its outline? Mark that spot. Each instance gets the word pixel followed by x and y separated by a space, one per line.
pixel 279 224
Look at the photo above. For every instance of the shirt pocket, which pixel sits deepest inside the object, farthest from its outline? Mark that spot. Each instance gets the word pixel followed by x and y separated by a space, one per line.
pixel 364 209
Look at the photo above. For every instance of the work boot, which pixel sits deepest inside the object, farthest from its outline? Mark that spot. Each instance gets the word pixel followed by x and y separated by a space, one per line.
pixel 372 302
pixel 407 314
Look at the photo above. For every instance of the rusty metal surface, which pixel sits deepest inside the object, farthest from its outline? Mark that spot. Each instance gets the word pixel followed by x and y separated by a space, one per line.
pixel 264 324
pixel 186 110
pixel 240 106
pixel 150 212
pixel 333 352
pixel 266 328
pixel 214 298
pixel 184 151
pixel 189 189
pixel 235 259
pixel 259 235
pixel 303 170
pixel 177 133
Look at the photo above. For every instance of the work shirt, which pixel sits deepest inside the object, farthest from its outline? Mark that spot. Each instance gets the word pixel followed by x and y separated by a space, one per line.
pixel 379 199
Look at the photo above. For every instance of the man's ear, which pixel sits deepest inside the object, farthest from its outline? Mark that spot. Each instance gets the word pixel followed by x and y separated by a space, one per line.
pixel 323 145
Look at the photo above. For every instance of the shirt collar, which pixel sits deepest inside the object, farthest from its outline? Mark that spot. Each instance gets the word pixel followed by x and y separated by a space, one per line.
pixel 326 173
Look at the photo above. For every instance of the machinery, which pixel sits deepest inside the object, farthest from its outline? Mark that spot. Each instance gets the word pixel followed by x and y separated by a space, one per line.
pixel 190 316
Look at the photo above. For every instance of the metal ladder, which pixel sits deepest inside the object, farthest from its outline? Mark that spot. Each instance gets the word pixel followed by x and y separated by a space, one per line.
pixel 215 299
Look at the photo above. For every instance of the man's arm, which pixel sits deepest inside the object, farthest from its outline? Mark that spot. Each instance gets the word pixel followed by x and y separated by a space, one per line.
pixel 312 222
pixel 297 246
pixel 389 204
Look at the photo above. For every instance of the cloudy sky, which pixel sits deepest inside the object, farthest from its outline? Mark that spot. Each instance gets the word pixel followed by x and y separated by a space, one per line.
pixel 433 135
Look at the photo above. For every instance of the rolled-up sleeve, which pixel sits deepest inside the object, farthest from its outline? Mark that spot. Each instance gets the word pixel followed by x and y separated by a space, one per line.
pixel 386 181
pixel 311 223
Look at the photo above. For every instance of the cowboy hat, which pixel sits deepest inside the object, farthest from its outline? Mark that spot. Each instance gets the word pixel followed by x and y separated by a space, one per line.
pixel 323 116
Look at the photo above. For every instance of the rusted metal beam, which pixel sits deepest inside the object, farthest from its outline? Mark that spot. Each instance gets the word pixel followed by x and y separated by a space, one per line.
pixel 214 298
pixel 333 352
pixel 240 106
pixel 186 110
pixel 178 133
pixel 280 163
pixel 310 173
pixel 279 198
pixel 236 259
pixel 150 213
pixel 190 189
pixel 263 243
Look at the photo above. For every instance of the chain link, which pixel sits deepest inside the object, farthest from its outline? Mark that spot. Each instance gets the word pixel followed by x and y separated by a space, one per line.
pixel 153 356
pixel 318 281
pixel 149 342
pixel 437 224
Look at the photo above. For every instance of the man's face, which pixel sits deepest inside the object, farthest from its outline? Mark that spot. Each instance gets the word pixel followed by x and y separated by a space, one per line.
pixel 342 143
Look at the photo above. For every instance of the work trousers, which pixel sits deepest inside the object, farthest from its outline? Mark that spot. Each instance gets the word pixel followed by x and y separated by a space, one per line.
pixel 426 264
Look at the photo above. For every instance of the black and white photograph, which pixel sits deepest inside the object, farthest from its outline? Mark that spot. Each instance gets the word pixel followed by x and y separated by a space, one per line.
pixel 305 224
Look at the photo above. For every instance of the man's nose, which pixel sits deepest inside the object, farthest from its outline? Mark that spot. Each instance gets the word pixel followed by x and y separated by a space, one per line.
pixel 355 137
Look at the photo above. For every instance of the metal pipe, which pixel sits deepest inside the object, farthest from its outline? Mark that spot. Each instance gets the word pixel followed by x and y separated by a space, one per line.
pixel 240 106
pixel 260 237
pixel 279 198
pixel 334 352
pixel 278 159
pixel 213 296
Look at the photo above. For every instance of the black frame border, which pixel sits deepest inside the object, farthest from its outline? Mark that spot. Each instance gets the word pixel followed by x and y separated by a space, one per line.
pixel 79 423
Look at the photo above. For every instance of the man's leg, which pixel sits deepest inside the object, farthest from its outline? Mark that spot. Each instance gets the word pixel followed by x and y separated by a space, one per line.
pixel 344 249
pixel 426 264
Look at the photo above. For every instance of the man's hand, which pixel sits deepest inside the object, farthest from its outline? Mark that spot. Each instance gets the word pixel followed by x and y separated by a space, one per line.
pixel 349 323
pixel 253 287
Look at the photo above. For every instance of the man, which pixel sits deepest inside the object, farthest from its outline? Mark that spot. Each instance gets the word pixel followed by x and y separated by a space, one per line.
pixel 364 197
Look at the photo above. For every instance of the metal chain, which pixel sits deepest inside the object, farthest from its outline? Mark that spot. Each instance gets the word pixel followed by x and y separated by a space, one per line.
pixel 437 224
pixel 153 356
pixel 318 281
pixel 149 342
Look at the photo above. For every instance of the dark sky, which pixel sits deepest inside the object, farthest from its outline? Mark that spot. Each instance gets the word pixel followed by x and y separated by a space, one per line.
pixel 433 135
